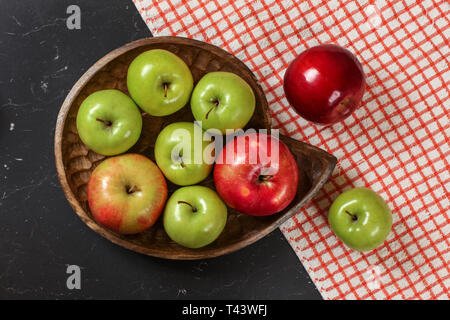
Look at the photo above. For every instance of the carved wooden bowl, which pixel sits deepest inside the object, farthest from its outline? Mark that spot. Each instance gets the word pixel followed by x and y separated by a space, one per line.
pixel 75 161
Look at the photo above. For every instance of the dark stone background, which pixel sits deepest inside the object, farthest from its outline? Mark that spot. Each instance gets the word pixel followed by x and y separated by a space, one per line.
pixel 40 60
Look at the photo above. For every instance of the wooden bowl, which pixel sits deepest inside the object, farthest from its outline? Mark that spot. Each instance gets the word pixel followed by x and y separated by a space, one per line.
pixel 75 161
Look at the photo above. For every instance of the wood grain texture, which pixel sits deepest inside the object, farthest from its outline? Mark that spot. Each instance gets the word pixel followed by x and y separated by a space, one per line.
pixel 75 161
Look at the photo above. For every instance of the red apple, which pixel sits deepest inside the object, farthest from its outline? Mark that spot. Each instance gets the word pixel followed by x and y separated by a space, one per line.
pixel 127 193
pixel 325 84
pixel 252 183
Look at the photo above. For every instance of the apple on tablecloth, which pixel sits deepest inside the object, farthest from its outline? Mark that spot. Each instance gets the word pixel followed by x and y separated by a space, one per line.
pixel 360 218
pixel 325 84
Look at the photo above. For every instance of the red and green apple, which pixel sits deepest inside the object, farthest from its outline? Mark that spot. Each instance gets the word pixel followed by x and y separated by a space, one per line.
pixel 127 193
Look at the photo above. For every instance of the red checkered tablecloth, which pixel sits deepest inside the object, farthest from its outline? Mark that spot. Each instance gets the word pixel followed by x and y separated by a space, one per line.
pixel 396 143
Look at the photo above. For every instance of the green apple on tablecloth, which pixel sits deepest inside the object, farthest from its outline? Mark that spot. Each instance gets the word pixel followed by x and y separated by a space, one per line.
pixel 360 218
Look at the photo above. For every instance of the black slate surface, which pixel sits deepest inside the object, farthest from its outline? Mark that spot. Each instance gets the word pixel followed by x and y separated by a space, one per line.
pixel 40 235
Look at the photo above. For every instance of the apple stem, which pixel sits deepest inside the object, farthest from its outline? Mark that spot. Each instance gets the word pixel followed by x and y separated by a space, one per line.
pixel 132 189
pixel 181 161
pixel 106 122
pixel 166 86
pixel 354 218
pixel 215 104
pixel 263 178
pixel 194 209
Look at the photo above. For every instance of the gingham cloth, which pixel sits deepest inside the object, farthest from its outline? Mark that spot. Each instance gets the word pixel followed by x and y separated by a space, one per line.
pixel 396 143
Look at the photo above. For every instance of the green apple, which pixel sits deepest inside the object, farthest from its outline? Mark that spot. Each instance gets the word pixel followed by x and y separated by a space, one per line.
pixel 194 216
pixel 179 150
pixel 222 100
pixel 127 193
pixel 360 218
pixel 159 82
pixel 109 122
